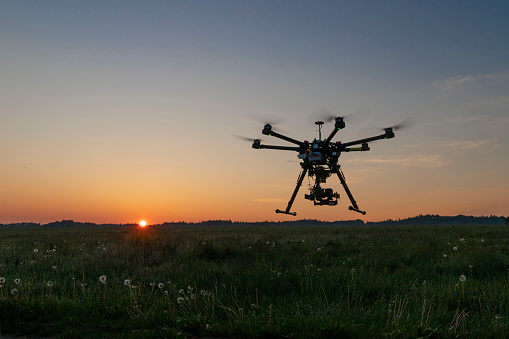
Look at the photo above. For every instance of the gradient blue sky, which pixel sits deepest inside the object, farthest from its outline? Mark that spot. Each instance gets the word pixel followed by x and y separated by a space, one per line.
pixel 116 111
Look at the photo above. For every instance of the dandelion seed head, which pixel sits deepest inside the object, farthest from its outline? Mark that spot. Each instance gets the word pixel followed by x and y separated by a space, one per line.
pixel 482 240
pixel 54 267
pixel 463 278
pixel 17 281
pixel 127 282
pixel 160 285
pixel 14 291
pixel 49 283
pixel 470 266
pixel 180 300
pixel 102 279
pixel 2 280
pixel 36 250
pixel 445 255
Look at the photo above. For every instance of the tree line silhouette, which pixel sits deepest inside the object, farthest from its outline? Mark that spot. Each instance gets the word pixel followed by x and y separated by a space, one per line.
pixel 428 219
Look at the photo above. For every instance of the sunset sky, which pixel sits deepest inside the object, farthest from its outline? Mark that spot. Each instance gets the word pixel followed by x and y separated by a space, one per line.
pixel 120 111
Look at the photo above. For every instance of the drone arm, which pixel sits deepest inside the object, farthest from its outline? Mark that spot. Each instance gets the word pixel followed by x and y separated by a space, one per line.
pixel 333 133
pixel 290 203
pixel 267 130
pixel 337 126
pixel 364 148
pixel 354 206
pixel 362 141
pixel 283 148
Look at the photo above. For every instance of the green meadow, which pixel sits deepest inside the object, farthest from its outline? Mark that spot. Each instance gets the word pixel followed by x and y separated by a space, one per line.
pixel 314 282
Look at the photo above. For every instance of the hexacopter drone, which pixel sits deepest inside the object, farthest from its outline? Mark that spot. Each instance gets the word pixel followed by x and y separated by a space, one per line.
pixel 319 159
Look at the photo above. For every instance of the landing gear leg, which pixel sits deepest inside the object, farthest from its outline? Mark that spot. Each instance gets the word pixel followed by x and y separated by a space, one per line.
pixel 290 203
pixel 354 206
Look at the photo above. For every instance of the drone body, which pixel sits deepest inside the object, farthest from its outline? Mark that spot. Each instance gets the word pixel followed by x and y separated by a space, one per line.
pixel 319 160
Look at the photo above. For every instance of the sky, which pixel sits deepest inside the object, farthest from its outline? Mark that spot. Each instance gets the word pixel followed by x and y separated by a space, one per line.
pixel 120 111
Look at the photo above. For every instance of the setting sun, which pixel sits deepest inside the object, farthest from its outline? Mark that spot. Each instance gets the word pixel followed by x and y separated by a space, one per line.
pixel 143 223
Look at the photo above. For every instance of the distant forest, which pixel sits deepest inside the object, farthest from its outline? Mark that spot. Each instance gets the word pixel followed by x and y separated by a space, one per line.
pixel 429 219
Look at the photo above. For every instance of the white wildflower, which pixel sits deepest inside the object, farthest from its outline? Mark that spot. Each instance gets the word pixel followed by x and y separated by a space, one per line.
pixel 14 291
pixel 462 239
pixel 49 284
pixel 17 281
pixel 463 278
pixel 181 291
pixel 445 255
pixel 102 279
pixel 482 240
pixel 54 267
pixel 180 300
pixel 152 284
pixel 2 280
pixel 36 250
pixel 127 282
pixel 455 248
pixel 160 285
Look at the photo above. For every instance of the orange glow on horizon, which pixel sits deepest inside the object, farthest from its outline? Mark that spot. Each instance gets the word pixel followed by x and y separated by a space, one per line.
pixel 143 223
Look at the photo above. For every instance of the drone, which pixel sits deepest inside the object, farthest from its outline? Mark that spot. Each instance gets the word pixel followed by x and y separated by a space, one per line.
pixel 319 160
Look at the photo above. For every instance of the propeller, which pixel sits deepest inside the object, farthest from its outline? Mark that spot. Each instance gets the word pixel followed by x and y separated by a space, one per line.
pixel 405 124
pixel 240 137
pixel 266 119
pixel 326 116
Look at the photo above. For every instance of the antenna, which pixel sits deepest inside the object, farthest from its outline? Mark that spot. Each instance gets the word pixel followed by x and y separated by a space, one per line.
pixel 319 123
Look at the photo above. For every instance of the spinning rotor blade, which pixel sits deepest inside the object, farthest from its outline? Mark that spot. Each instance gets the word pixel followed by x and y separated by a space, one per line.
pixel 240 137
pixel 373 129
pixel 267 119
pixel 326 116
pixel 405 124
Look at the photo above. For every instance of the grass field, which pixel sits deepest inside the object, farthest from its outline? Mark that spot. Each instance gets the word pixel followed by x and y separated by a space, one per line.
pixel 365 282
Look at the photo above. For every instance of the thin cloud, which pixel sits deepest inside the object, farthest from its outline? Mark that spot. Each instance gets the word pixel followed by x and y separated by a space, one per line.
pixel 469 145
pixel 453 84
pixel 268 200
pixel 417 160
pixel 459 83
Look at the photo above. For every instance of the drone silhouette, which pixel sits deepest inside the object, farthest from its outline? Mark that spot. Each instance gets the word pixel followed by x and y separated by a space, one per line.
pixel 319 160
